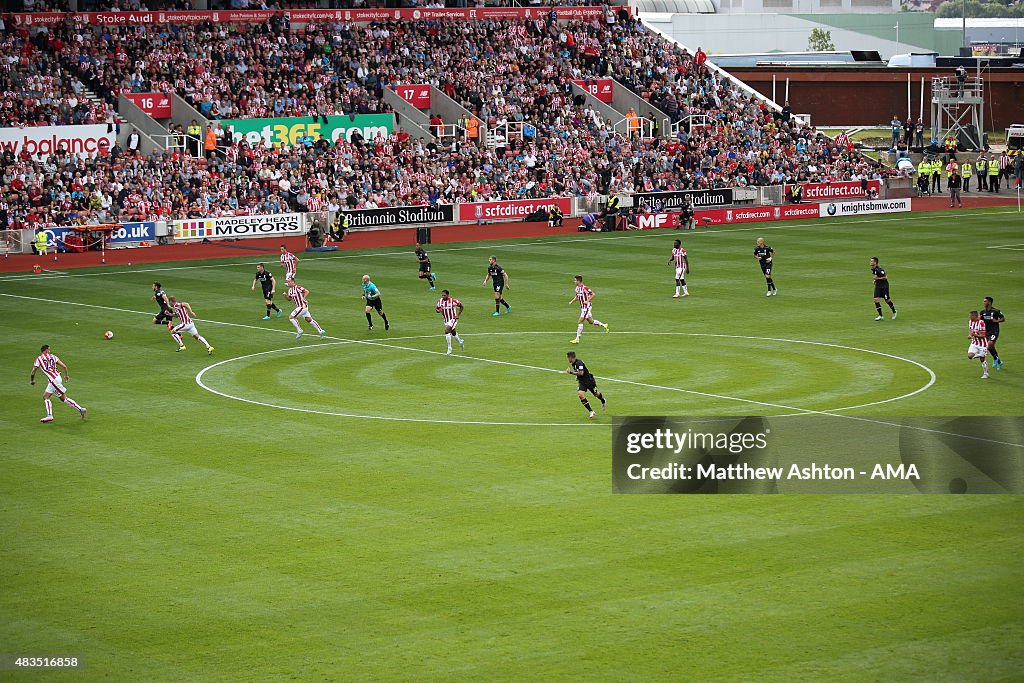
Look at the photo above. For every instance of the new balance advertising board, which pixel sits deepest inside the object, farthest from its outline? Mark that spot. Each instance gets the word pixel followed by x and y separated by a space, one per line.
pixel 41 141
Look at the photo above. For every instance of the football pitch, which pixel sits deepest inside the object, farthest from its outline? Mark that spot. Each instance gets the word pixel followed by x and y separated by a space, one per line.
pixel 365 507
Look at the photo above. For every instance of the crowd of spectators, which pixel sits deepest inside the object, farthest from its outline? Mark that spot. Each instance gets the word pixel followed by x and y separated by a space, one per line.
pixel 36 90
pixel 502 71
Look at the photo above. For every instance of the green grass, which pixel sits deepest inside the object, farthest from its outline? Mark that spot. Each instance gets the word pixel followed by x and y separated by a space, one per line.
pixel 180 535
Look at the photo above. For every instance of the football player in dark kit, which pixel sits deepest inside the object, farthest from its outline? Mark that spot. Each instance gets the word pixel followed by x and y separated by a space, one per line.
pixel 881 288
pixel 993 318
pixel 160 297
pixel 424 265
pixel 585 382
pixel 266 280
pixel 764 255
pixel 499 280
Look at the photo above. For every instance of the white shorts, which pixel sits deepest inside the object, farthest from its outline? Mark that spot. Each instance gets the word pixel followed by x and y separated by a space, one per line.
pixel 977 350
pixel 586 311
pixel 289 275
pixel 300 313
pixel 680 273
pixel 190 328
pixel 451 325
pixel 56 386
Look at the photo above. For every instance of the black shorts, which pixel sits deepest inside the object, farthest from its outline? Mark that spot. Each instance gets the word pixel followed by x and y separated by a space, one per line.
pixel 424 267
pixel 881 292
pixel 993 337
pixel 586 385
pixel 164 317
pixel 498 287
pixel 268 294
pixel 375 304
pixel 766 267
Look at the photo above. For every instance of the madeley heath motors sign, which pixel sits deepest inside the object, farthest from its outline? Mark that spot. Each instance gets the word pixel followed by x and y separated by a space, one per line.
pixel 230 227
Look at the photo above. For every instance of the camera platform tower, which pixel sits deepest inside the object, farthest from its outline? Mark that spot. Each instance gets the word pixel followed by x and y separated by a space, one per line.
pixel 957 108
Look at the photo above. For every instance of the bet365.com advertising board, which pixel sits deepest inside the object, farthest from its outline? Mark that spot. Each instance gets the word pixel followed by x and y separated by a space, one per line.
pixel 233 227
pixel 287 131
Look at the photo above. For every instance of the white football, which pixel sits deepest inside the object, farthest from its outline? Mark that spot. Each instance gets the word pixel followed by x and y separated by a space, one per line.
pixel 108 334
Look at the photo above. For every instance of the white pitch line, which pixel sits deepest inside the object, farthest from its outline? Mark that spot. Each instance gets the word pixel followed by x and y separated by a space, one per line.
pixel 799 411
pixel 752 227
pixel 1005 246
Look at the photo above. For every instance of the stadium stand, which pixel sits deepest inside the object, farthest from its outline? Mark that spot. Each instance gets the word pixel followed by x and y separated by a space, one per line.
pixel 502 71
pixel 38 91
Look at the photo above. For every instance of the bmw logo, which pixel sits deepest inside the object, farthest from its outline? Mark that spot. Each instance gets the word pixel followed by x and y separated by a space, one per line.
pixel 831 209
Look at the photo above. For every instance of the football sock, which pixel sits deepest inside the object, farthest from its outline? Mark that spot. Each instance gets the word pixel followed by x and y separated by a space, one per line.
pixel 504 303
pixel 268 309
pixel 316 326
pixel 685 290
pixel 992 352
pixel 49 407
pixel 448 340
pixel 600 397
pixel 202 341
pixel 295 323
pixel 677 287
pixel 984 365
pixel 457 337
pixel 891 305
pixel 579 330
pixel 385 317
pixel 497 307
pixel 369 320
pixel 586 404
pixel 69 401
pixel 177 338
pixel 274 307
pixel 598 323
pixel 878 307
pixel 771 284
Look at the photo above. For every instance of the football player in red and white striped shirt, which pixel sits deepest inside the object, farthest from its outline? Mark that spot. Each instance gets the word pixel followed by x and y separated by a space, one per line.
pixel 49 364
pixel 585 296
pixel 297 295
pixel 450 310
pixel 979 342
pixel 289 262
pixel 682 265
pixel 183 312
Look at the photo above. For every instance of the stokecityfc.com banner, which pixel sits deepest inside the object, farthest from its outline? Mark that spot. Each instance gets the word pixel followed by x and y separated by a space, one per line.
pixel 231 227
pixel 516 210
pixel 846 189
pixel 301 16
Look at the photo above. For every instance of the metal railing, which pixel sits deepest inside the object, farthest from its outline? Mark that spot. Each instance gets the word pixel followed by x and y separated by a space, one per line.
pixel 953 88
pixel 635 126
pixel 188 144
